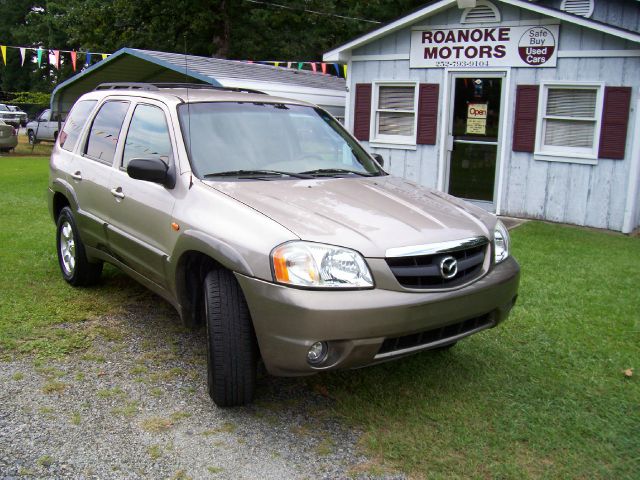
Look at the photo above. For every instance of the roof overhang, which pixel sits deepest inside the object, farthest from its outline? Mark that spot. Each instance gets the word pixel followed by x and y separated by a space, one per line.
pixel 139 67
pixel 343 53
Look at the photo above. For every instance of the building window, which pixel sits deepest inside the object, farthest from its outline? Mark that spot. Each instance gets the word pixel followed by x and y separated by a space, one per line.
pixel 395 113
pixel 569 121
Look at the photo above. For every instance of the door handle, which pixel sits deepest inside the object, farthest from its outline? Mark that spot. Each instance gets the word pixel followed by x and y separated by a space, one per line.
pixel 77 176
pixel 117 192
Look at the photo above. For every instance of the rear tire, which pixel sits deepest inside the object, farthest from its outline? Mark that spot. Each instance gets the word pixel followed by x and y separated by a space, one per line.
pixel 231 344
pixel 74 266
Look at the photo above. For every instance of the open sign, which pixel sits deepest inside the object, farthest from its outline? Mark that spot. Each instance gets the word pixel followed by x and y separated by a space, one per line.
pixel 477 110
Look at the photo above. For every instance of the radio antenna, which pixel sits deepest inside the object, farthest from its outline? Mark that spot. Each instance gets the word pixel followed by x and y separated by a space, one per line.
pixel 186 80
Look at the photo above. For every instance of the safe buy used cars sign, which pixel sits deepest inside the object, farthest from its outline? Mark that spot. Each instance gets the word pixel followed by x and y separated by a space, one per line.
pixel 478 47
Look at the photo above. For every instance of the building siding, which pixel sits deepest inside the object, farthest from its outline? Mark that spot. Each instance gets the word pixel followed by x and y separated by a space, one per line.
pixel 592 195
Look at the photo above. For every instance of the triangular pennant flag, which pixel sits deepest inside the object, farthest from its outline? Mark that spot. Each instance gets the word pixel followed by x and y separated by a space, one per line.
pixel 56 56
pixel 74 58
pixel 104 56
pixel 4 53
pixel 300 64
pixel 23 54
pixel 39 56
pixel 314 67
pixel 324 67
pixel 337 67
pixel 288 64
pixel 344 67
pixel 87 60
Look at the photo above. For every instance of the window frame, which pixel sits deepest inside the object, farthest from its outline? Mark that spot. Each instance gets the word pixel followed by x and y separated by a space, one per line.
pixel 126 127
pixel 399 140
pixel 89 126
pixel 89 121
pixel 568 154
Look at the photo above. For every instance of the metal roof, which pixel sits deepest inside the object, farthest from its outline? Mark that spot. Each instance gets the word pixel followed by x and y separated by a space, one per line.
pixel 133 65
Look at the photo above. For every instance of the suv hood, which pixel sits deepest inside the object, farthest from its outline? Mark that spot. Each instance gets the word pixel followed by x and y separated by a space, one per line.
pixel 369 215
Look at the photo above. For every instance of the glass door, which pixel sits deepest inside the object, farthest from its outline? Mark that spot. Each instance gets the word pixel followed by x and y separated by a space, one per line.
pixel 473 137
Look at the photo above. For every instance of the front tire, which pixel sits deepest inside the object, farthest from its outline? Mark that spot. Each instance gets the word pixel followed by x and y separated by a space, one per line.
pixel 74 266
pixel 231 344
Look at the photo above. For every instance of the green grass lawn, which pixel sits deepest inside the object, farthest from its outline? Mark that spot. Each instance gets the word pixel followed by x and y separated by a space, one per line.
pixel 541 396
pixel 33 295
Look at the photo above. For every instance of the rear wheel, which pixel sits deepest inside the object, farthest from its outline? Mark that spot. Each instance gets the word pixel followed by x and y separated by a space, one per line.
pixel 231 344
pixel 75 267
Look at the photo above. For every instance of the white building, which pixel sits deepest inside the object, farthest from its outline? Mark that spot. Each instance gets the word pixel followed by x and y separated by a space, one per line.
pixel 528 108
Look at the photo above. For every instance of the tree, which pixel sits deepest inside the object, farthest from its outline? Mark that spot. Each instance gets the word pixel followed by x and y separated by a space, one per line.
pixel 239 29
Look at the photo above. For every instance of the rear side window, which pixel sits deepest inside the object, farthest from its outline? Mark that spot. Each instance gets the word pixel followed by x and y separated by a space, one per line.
pixel 148 136
pixel 74 124
pixel 105 130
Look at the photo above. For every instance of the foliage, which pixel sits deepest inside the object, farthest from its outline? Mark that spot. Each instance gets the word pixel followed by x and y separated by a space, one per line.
pixel 33 98
pixel 237 29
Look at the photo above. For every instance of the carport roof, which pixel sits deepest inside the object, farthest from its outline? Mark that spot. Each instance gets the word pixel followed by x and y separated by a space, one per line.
pixel 133 65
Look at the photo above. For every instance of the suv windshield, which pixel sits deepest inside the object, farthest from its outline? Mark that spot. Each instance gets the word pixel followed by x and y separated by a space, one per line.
pixel 266 139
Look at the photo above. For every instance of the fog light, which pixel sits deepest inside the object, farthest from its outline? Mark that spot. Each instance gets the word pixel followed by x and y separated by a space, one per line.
pixel 317 353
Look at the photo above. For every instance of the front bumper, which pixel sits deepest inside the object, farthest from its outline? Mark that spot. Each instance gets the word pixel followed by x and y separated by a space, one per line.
pixel 356 323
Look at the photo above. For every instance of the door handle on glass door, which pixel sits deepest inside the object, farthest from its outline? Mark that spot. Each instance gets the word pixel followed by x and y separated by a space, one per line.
pixel 117 192
pixel 77 176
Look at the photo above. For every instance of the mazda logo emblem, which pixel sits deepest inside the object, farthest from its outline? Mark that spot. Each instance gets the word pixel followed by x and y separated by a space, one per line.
pixel 448 267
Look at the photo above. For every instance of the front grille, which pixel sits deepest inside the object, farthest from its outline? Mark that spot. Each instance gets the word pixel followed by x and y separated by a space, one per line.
pixel 423 271
pixel 436 335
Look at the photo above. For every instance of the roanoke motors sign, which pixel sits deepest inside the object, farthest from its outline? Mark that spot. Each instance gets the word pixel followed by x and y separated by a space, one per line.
pixel 478 47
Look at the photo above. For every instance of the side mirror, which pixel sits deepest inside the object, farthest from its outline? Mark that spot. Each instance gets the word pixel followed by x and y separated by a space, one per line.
pixel 378 158
pixel 151 170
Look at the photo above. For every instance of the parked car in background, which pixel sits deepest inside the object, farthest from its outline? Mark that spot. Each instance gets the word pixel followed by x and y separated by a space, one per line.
pixel 8 137
pixel 9 116
pixel 43 128
pixel 22 115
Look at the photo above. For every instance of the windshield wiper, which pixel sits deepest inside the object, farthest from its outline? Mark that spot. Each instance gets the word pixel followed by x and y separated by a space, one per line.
pixel 242 173
pixel 336 171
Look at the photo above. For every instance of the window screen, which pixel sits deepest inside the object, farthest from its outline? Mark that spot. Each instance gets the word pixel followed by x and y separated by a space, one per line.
pixel 396 110
pixel 570 118
pixel 105 130
pixel 75 123
pixel 148 136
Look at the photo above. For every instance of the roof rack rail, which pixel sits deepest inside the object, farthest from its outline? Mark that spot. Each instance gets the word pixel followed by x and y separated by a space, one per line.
pixel 158 86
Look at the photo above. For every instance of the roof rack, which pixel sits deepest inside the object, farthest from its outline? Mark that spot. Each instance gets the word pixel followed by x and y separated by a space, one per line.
pixel 158 86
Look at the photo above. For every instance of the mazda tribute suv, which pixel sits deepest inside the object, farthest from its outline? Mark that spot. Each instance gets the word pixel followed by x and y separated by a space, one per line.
pixel 265 220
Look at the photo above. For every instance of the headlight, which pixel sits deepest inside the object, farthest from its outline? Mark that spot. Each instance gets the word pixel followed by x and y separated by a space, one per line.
pixel 501 242
pixel 307 264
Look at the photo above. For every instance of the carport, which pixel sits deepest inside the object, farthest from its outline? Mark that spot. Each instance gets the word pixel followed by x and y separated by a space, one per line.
pixel 133 65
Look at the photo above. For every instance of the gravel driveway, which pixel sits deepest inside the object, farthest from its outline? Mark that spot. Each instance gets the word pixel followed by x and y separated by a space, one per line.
pixel 135 405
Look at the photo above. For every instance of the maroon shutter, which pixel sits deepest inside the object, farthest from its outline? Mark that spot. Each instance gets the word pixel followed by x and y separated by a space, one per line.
pixel 428 113
pixel 524 128
pixel 362 112
pixel 615 119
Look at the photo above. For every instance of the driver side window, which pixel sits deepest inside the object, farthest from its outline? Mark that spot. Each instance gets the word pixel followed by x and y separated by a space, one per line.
pixel 148 136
